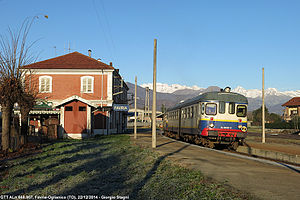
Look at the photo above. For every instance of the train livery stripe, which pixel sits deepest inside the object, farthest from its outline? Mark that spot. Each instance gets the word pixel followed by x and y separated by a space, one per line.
pixel 223 120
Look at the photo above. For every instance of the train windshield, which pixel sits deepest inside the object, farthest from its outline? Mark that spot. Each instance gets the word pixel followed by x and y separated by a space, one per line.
pixel 241 111
pixel 211 109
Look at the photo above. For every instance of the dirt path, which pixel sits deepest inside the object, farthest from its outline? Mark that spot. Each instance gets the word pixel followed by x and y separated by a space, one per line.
pixel 265 181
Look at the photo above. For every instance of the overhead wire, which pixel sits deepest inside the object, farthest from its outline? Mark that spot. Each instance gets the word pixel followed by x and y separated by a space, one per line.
pixel 105 26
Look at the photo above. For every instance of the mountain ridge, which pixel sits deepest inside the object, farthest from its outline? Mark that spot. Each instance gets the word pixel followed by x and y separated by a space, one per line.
pixel 169 95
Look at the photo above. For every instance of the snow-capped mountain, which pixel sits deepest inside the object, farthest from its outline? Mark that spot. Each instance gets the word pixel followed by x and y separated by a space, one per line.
pixel 169 95
pixel 255 93
pixel 251 93
pixel 165 88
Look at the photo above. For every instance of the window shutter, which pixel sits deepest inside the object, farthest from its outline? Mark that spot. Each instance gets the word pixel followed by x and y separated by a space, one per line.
pixel 89 85
pixel 43 85
pixel 84 85
pixel 47 84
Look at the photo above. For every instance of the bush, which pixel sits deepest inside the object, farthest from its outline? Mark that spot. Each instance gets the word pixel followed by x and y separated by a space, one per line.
pixel 280 125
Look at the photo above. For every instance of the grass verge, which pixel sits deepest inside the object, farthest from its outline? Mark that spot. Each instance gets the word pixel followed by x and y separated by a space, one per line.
pixel 107 166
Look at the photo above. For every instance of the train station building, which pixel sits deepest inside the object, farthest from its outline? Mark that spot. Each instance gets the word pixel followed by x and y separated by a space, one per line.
pixel 86 96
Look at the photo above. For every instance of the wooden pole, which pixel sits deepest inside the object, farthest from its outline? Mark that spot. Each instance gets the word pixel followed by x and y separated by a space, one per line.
pixel 263 106
pixel 148 104
pixel 135 97
pixel 154 98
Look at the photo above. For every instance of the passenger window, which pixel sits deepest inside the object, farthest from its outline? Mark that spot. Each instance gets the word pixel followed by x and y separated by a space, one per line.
pixel 202 108
pixel 241 111
pixel 188 112
pixel 231 108
pixel 222 107
pixel 192 112
pixel 211 109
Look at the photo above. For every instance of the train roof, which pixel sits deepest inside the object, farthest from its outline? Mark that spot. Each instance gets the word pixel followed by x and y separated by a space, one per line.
pixel 211 96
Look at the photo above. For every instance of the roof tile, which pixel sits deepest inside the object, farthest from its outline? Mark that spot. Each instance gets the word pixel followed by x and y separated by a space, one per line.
pixel 292 102
pixel 73 60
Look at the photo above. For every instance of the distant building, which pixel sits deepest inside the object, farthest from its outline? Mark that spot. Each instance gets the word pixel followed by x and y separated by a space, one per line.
pixel 86 96
pixel 292 108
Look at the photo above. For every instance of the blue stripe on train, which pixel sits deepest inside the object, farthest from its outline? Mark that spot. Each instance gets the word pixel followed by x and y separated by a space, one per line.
pixel 221 125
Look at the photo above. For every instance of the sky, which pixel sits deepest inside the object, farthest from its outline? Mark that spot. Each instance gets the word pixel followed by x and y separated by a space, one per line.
pixel 199 42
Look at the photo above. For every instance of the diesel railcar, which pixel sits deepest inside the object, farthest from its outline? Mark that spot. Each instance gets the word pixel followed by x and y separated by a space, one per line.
pixel 210 119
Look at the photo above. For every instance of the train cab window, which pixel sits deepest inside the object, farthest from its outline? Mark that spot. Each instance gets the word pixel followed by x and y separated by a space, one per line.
pixel 241 111
pixel 221 107
pixel 231 109
pixel 211 109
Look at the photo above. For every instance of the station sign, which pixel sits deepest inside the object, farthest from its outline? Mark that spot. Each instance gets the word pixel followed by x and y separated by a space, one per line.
pixel 121 107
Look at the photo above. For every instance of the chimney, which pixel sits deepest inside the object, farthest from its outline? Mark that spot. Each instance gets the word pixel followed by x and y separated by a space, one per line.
pixel 90 53
pixel 110 64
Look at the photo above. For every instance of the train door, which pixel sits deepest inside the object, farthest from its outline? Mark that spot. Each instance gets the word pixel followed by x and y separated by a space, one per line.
pixel 201 117
pixel 179 121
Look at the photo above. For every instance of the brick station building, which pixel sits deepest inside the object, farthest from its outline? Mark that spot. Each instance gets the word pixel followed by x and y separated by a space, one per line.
pixel 81 92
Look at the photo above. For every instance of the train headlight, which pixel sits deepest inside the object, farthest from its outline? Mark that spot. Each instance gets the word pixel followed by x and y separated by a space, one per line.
pixel 211 125
pixel 240 126
pixel 244 129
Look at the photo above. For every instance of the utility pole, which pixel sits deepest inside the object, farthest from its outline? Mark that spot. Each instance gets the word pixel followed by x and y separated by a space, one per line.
pixel 146 112
pixel 263 106
pixel 135 94
pixel 148 103
pixel 154 98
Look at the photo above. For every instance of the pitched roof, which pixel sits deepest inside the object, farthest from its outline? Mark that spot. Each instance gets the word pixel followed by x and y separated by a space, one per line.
pixel 75 97
pixel 73 60
pixel 293 102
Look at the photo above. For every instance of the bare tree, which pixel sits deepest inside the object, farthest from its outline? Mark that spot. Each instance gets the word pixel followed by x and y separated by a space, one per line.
pixel 15 53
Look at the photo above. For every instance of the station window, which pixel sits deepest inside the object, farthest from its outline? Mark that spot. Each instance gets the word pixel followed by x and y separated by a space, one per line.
pixel 222 107
pixel 45 84
pixel 241 111
pixel 294 112
pixel 69 108
pixel 87 84
pixel 231 109
pixel 82 108
pixel 211 109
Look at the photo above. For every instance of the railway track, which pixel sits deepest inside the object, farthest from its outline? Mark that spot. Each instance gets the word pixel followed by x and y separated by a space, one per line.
pixel 229 152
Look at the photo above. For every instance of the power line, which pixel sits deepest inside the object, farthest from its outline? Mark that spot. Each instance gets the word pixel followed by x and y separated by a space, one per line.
pixel 107 36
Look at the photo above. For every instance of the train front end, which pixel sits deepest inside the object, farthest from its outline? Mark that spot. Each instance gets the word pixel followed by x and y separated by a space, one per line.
pixel 223 119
